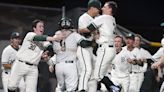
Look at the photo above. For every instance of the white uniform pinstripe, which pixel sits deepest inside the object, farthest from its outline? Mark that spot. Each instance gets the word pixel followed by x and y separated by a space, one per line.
pixel 85 55
pixel 105 24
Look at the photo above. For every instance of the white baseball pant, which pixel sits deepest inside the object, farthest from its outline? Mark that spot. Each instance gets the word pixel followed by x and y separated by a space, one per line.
pixel 86 61
pixel 5 79
pixel 67 76
pixel 29 73
pixel 124 82
pixel 136 80
pixel 105 55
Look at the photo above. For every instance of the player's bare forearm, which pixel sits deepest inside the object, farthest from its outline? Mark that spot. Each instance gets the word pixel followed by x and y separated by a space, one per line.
pixel 83 30
pixel 7 66
pixel 159 75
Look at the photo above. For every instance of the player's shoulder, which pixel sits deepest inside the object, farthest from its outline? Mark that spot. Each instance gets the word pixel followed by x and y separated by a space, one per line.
pixel 85 16
pixel 106 17
pixel 30 35
pixel 75 33
pixel 8 48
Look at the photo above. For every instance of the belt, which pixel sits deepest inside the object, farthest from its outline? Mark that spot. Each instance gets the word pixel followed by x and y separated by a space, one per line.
pixel 134 72
pixel 7 72
pixel 68 61
pixel 108 45
pixel 27 63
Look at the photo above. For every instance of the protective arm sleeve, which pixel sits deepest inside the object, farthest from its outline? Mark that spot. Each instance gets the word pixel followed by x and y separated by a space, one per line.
pixel 92 27
pixel 40 38
pixel 85 43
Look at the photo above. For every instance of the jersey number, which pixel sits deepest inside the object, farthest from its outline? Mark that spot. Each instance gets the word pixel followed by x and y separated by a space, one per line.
pixel 32 46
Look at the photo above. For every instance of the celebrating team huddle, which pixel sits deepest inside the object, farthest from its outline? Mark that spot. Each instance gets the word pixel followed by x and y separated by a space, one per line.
pixel 77 68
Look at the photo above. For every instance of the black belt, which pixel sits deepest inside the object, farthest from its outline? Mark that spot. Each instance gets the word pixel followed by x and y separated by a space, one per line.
pixel 7 72
pixel 108 45
pixel 134 72
pixel 68 61
pixel 27 63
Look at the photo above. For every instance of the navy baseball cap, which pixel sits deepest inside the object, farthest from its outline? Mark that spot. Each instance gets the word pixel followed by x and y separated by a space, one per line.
pixel 94 3
pixel 15 35
pixel 130 36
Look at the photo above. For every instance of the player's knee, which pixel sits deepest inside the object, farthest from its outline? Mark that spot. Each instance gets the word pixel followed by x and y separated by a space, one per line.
pixel 11 90
pixel 11 87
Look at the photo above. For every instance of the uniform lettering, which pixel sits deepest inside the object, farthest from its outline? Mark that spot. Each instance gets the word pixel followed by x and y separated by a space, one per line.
pixel 32 46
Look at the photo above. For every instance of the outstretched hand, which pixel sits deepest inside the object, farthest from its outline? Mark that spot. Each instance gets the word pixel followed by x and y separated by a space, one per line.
pixel 58 36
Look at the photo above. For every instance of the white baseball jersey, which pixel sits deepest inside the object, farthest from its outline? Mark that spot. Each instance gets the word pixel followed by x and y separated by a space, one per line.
pixel 106 25
pixel 136 54
pixel 66 62
pixel 70 50
pixel 30 50
pixel 144 54
pixel 26 63
pixel 158 54
pixel 120 74
pixel 8 57
pixel 121 68
pixel 137 75
pixel 84 20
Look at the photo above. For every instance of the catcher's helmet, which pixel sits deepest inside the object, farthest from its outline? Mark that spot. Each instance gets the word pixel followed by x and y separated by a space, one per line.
pixel 65 23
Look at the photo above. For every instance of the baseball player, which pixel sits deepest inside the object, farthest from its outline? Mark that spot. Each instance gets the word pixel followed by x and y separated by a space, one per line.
pixel 138 69
pixel 66 57
pixel 105 24
pixel 121 68
pixel 29 56
pixel 158 56
pixel 85 55
pixel 8 58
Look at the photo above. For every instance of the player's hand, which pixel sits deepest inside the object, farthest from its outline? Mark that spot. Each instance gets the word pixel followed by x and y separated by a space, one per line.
pixel 131 61
pixel 155 65
pixel 96 35
pixel 58 36
pixel 51 68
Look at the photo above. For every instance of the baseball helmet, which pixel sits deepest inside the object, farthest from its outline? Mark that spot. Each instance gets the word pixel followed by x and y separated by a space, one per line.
pixel 15 35
pixel 94 3
pixel 65 23
pixel 130 36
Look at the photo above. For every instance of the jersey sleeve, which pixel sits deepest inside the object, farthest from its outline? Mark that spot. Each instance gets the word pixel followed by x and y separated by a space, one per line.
pixel 146 54
pixel 158 54
pixel 30 36
pixel 81 23
pixel 5 56
pixel 95 24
